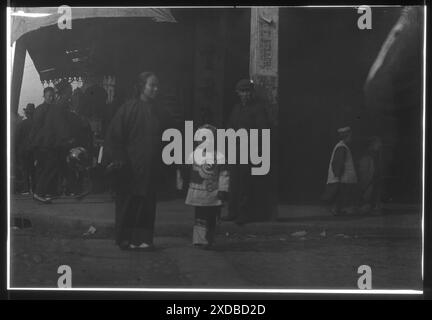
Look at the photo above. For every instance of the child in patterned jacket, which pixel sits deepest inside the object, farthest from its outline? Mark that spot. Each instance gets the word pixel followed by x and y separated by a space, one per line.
pixel 208 186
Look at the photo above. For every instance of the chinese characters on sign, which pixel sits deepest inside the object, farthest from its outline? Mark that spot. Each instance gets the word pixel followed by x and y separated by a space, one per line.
pixel 264 55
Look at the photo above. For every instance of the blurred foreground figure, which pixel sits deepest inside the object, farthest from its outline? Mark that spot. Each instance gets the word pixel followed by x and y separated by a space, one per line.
pixel 394 97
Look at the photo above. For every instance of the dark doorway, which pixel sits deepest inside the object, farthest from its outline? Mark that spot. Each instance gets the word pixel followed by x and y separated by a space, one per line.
pixel 324 59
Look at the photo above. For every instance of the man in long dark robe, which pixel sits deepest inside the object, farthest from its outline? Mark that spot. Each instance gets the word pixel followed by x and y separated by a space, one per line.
pixel 52 139
pixel 249 194
pixel 133 146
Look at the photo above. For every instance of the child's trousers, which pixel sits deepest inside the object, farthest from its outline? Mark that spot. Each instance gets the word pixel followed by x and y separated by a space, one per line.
pixel 204 229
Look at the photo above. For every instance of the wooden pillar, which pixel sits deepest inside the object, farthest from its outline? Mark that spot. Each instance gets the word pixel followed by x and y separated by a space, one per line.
pixel 263 69
pixel 17 74
pixel 263 66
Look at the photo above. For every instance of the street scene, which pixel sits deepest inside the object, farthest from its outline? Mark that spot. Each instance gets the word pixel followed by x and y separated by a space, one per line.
pixel 229 148
pixel 305 248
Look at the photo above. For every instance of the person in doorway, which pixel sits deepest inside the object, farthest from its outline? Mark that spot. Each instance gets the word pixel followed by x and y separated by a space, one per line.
pixel 249 195
pixel 342 176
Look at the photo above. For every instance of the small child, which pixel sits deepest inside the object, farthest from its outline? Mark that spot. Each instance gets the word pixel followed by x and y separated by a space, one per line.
pixel 208 187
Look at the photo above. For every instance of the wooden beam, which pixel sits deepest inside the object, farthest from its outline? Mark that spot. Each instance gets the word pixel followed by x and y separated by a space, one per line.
pixel 263 69
pixel 17 74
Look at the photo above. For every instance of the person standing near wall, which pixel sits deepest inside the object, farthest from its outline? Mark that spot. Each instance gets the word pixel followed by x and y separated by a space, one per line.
pixel 53 139
pixel 249 195
pixel 342 176
pixel 37 146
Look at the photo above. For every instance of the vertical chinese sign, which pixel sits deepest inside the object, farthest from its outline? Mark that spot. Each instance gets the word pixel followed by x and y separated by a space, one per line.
pixel 264 55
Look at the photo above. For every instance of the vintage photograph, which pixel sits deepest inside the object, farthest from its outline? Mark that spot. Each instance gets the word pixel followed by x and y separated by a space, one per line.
pixel 199 148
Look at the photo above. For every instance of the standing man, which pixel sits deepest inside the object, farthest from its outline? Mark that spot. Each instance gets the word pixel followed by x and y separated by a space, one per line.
pixel 53 139
pixel 36 143
pixel 342 176
pixel 249 195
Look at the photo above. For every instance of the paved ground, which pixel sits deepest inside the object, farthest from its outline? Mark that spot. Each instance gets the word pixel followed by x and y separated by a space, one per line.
pixel 260 255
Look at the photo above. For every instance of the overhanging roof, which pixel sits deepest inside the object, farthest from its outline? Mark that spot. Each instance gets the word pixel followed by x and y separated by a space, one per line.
pixel 97 38
pixel 28 19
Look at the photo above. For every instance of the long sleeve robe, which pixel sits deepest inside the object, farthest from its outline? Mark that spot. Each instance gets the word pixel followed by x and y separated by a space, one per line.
pixel 249 195
pixel 51 126
pixel 134 137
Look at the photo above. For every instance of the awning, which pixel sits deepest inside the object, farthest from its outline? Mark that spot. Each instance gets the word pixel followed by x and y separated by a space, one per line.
pixel 25 20
pixel 98 39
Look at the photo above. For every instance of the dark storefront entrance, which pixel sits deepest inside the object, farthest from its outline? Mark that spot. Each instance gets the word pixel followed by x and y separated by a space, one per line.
pixel 324 62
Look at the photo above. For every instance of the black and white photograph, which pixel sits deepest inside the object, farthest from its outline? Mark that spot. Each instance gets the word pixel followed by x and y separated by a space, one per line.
pixel 216 149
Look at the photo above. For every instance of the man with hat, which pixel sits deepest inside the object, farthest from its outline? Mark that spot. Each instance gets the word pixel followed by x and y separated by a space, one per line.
pixel 342 176
pixel 24 152
pixel 250 199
